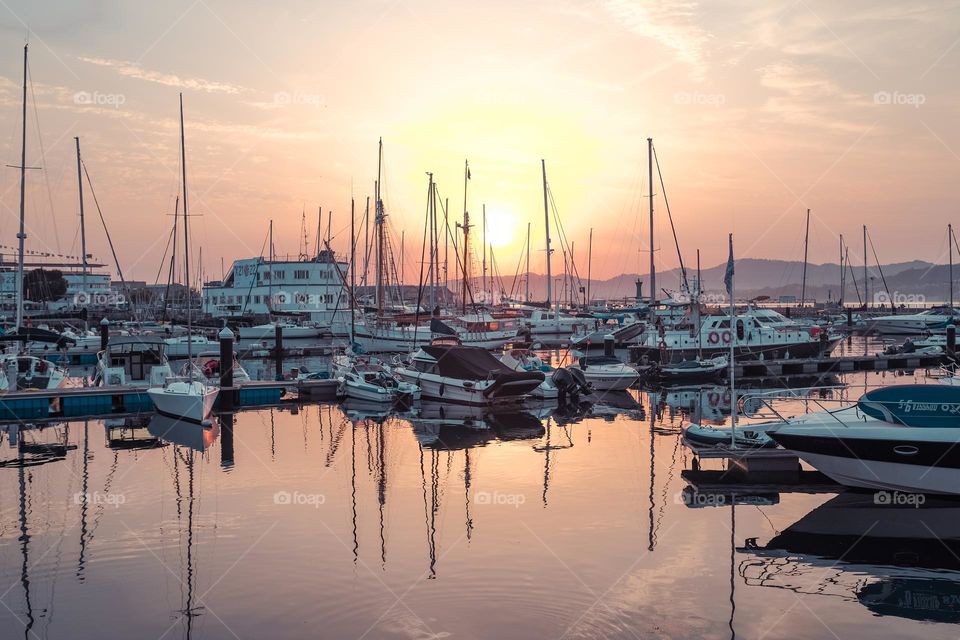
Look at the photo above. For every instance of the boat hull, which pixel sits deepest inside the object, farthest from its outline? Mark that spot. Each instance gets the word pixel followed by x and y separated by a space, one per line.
pixel 811 349
pixel 175 402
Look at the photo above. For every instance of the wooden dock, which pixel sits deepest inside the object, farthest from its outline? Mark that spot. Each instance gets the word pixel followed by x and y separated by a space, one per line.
pixel 827 366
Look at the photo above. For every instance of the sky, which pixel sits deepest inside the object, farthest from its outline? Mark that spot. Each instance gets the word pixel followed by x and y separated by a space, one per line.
pixel 758 111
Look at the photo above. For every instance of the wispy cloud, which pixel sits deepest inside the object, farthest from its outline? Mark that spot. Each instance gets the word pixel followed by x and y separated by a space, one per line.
pixel 134 70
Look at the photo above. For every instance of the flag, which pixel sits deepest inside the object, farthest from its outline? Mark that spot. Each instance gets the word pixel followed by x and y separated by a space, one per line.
pixel 466 163
pixel 728 277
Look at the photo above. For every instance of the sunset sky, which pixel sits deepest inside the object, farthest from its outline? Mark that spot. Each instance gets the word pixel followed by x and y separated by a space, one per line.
pixel 757 111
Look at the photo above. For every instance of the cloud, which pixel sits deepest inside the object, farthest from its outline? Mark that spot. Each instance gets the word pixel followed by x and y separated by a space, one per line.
pixel 134 70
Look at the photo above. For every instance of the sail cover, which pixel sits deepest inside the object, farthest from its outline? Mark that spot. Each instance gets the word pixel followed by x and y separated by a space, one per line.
pixel 466 363
pixel 438 327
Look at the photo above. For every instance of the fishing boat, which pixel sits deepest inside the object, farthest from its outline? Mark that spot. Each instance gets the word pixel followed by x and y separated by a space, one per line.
pixel 369 379
pixel 133 360
pixel 606 373
pixel 186 399
pixel 468 375
pixel 928 321
pixel 901 437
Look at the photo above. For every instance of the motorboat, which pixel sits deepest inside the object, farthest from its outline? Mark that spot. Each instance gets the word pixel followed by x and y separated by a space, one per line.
pixel 900 438
pixel 206 366
pixel 469 375
pixel 715 436
pixel 183 398
pixel 33 372
pixel 369 379
pixel 687 371
pixel 290 330
pixel 930 347
pixel 553 324
pixel 133 360
pixel 606 373
pixel 527 360
pixel 935 319
pixel 180 346
pixel 753 332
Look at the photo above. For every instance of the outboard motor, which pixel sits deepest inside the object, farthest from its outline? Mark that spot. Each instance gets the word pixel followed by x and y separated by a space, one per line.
pixel 571 385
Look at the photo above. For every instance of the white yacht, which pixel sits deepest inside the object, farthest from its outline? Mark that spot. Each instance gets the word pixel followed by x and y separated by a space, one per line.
pixel 935 319
pixel 606 373
pixel 133 360
pixel 369 379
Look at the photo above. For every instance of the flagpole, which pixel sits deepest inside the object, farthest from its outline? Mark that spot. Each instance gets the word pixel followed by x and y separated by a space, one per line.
pixel 733 335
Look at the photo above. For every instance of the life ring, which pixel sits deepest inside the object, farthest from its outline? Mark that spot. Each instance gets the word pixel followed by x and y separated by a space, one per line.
pixel 726 337
pixel 713 398
pixel 713 338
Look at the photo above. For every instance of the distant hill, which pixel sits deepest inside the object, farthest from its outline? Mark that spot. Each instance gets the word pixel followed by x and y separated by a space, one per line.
pixel 755 277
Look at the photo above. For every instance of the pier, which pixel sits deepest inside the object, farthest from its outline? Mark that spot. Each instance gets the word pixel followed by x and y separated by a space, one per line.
pixel 843 364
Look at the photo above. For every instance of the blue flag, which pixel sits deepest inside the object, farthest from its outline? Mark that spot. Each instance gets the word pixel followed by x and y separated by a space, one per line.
pixel 728 277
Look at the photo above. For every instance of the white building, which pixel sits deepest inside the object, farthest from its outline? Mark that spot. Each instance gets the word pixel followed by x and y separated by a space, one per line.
pixel 256 286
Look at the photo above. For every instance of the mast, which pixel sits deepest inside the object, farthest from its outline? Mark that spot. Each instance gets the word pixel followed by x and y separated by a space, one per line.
pixel 466 257
pixel 866 282
pixel 270 269
pixel 353 283
pixel 22 236
pixel 527 279
pixel 484 249
pixel 950 247
pixel 589 268
pixel 653 268
pixel 446 247
pixel 186 244
pixel 806 245
pixel 733 329
pixel 843 274
pixel 546 221
pixel 83 230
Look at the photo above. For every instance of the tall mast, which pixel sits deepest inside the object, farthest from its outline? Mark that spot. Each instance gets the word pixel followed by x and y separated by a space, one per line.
pixel 83 230
pixel 186 243
pixel 866 282
pixel 806 245
pixel 446 245
pixel 466 258
pixel 950 246
pixel 353 282
pixel 484 249
pixel 270 268
pixel 843 274
pixel 546 221
pixel 527 292
pixel 22 236
pixel 653 268
pixel 589 267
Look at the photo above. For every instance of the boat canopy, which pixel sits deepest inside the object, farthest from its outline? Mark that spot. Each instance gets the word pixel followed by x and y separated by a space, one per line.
pixel 466 363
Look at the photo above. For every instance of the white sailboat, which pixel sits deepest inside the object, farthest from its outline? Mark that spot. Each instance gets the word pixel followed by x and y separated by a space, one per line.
pixel 186 399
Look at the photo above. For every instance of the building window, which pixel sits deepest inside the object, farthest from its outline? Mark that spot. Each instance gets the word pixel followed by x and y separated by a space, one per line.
pixel 278 275
pixel 301 274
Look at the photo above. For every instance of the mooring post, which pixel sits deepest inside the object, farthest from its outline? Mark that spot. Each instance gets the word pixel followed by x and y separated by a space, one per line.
pixel 226 441
pixel 104 334
pixel 608 344
pixel 278 350
pixel 227 392
pixel 951 338
pixel 849 317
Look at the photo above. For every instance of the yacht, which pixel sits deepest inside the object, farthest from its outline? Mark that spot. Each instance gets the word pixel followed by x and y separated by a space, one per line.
pixel 181 346
pixel 206 366
pixel 901 438
pixel 369 379
pixel 755 333
pixel 935 319
pixel 133 360
pixel 33 372
pixel 550 323
pixel 468 375
pixel 606 373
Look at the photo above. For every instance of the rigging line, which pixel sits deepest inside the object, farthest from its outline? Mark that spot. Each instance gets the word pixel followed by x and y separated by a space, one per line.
pixel 564 244
pixel 106 231
pixel 879 268
pixel 516 275
pixel 43 157
pixel 666 204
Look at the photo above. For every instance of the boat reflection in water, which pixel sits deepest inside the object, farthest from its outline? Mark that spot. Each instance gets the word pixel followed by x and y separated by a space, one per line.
pixel 449 426
pixel 898 560
pixel 186 434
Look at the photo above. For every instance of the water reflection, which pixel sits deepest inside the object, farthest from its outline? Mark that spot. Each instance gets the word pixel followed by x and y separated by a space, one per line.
pixel 896 560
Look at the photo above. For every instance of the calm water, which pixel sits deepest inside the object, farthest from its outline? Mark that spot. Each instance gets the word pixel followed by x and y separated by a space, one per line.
pixel 327 521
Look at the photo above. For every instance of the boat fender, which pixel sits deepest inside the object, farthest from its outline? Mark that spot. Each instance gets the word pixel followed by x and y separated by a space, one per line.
pixel 443 388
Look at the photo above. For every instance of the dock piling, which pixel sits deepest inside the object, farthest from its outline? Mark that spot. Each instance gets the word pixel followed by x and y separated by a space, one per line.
pixel 278 350
pixel 104 334
pixel 227 392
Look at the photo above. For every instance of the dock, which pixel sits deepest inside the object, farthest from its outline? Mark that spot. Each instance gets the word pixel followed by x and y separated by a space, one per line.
pixel 831 365
pixel 101 402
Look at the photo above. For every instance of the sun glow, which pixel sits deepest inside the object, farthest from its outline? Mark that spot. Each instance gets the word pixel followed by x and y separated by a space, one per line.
pixel 501 228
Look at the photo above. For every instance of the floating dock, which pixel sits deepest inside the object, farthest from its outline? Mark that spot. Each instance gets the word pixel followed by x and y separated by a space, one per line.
pixel 99 402
pixel 842 364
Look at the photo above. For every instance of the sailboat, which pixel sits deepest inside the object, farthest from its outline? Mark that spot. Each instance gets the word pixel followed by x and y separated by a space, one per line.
pixel 187 399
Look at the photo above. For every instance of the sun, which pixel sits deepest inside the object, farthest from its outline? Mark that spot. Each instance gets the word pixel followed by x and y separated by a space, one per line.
pixel 501 227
